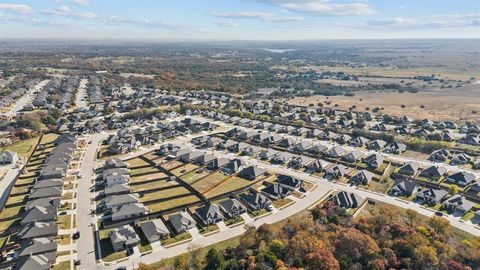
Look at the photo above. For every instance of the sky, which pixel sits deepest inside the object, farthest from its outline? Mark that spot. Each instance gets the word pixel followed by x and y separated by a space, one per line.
pixel 239 19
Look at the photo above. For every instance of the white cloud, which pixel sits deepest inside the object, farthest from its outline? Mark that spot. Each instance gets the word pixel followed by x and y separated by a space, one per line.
pixel 226 24
pixel 438 21
pixel 263 16
pixel 82 3
pixel 323 7
pixel 17 8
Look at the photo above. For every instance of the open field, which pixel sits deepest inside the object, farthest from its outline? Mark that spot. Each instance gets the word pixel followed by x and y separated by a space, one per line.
pixel 441 105
pixel 231 184
pixel 209 182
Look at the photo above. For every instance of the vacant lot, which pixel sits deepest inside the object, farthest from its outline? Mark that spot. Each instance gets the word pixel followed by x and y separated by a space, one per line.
pixel 172 203
pixel 209 182
pixel 231 184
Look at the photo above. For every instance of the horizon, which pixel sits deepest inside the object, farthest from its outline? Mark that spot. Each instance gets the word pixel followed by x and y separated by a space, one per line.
pixel 244 20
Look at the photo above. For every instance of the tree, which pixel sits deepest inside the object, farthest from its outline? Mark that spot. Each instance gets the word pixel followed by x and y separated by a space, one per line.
pixel 214 260
pixel 143 266
pixel 322 259
pixel 426 257
pixel 412 215
pixel 355 245
pixel 453 189
pixel 439 225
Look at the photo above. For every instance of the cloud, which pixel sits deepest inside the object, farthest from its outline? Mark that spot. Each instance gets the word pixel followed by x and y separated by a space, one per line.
pixel 82 3
pixel 262 16
pixel 226 24
pixel 323 7
pixel 438 21
pixel 17 8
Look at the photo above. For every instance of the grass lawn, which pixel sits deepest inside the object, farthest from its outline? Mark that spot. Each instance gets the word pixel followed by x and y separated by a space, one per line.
pixel 108 254
pixel 150 176
pixel 194 176
pixel 178 238
pixel 376 185
pixel 136 162
pixel 162 194
pixel 209 182
pixel 231 184
pixel 64 222
pixel 258 213
pixel 153 185
pixel 135 172
pixel 233 221
pixel 49 138
pixel 63 240
pixel 10 212
pixel 171 164
pixel 67 196
pixel 469 215
pixel 209 229
pixel 7 224
pixel 184 169
pixel 62 265
pixel 282 202
pixel 156 207
pixel 23 148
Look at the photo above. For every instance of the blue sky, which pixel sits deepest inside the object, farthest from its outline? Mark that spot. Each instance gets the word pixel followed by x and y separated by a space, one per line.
pixel 239 19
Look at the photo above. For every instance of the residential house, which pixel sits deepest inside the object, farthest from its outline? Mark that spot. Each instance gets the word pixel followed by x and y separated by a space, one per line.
pixel 336 152
pixel 252 172
pixel 461 178
pixel 182 222
pixel 232 208
pixel 255 200
pixel 336 171
pixel 434 172
pixel 458 203
pixel 128 211
pixel 431 196
pixel 209 214
pixel 395 148
pixel 373 160
pixel 405 188
pixel 353 156
pixel 123 238
pixel 362 177
pixel 410 168
pixel 8 157
pixel 346 199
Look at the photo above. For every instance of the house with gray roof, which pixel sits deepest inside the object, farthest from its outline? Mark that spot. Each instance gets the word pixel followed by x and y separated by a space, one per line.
pixel 346 199
pixel 267 154
pixel 209 214
pixel 154 230
pixel 217 163
pixel 405 188
pixel 44 202
pixel 434 172
pixel 373 160
pixel 115 163
pixel 431 196
pixel 182 222
pixel 39 214
pixel 461 178
pixel 411 168
pixel 362 177
pixel 255 200
pixel 232 208
pixel 48 183
pixel 336 171
pixel 335 152
pixel 35 262
pixel 118 200
pixel 281 157
pixel 38 246
pixel 458 203
pixel 252 172
pixel 8 157
pixel 352 156
pixel 234 166
pixel 289 182
pixel 50 192
pixel 38 229
pixel 128 211
pixel 118 189
pixel 123 237
pixel 318 165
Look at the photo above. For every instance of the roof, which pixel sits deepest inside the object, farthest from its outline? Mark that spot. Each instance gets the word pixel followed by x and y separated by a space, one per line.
pixel 38 229
pixel 253 171
pixel 154 227
pixel 181 220
pixel 208 211
pixel 125 234
pixel 36 262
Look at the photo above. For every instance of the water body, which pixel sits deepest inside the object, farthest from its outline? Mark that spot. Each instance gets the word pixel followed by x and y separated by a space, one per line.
pixel 279 50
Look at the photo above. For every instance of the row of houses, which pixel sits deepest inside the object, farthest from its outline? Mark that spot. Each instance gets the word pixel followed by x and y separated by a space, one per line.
pixel 9 98
pixel 65 89
pixel 434 172
pixel 38 249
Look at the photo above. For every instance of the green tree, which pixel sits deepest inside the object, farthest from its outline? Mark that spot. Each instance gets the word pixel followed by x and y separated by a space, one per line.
pixel 214 260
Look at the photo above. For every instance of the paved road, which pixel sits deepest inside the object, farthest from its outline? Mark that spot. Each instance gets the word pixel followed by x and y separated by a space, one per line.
pixel 86 242
pixel 80 99
pixel 27 98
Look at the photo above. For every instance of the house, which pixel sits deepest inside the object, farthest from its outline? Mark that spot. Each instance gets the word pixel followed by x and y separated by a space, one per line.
pixel 302 146
pixel 251 150
pixel 191 156
pixel 128 211
pixel 317 149
pixel 252 172
pixel 39 214
pixel 119 189
pixel 50 192
pixel 362 177
pixel 209 214
pixel 346 199
pixel 289 182
pixel 287 142
pixel 376 145
pixel 434 172
pixel 154 230
pixel 123 238
pixel 232 208
pixel 115 163
pixel 8 157
pixel 470 139
pixel 204 159
pixel 336 171
pixel 116 176
pixel 299 162
pixel 267 153
pixel 476 163
pixel 234 166
pixel 318 165
pixel 36 262
pixel 460 158
pixel 213 141
pixel 457 203
pixel 374 160
pixel 38 229
pixel 111 202
pixel 37 246
pixel 353 156
pixel 44 202
pixel 48 183
pixel 276 191
pixel 431 196
pixel 461 178
pixel 343 139
pixel 410 168
pixel 440 155
pixel 281 158
pixel 395 148
pixel 182 222
pixel 474 188
pixel 217 163
pixel 359 142
pixel 255 200
pixel 335 152
pixel 405 188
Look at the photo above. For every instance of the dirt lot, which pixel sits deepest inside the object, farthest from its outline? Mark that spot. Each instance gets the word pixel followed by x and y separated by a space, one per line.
pixel 443 104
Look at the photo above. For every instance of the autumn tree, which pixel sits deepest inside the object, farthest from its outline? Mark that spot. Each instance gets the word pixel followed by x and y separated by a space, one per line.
pixel 214 260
